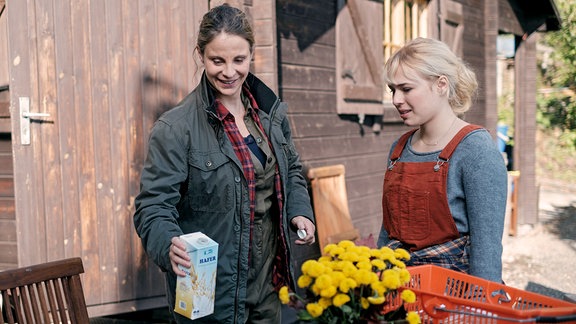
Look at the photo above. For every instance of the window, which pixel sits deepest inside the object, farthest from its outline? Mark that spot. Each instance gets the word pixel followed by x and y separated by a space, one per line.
pixel 364 29
pixel 403 20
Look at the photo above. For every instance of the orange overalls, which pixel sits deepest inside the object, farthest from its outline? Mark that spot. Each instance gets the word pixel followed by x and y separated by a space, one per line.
pixel 414 202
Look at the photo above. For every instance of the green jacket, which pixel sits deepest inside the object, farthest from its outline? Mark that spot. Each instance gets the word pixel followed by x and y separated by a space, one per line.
pixel 192 181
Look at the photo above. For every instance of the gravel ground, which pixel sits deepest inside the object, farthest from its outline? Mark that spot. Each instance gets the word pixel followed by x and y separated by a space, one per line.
pixel 542 258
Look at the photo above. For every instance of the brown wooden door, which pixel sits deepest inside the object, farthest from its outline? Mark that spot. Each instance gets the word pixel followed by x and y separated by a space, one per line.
pixel 102 71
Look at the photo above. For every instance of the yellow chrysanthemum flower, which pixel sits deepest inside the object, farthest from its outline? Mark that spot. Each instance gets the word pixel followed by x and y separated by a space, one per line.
pixel 328 292
pixel 408 296
pixel 376 300
pixel 349 256
pixel 323 281
pixel 399 264
pixel 329 247
pixel 386 250
pixel 379 264
pixel 404 276
pixel 315 290
pixel 413 318
pixel 306 265
pixel 346 244
pixel 376 253
pixel 314 309
pixel 284 295
pixel 402 254
pixel 340 299
pixel 348 268
pixel 337 277
pixel 364 249
pixel 347 284
pixel 325 302
pixel 365 277
pixel 364 264
pixel 391 279
pixel 345 273
pixel 364 303
pixel 378 287
pixel 336 251
pixel 313 269
pixel 304 281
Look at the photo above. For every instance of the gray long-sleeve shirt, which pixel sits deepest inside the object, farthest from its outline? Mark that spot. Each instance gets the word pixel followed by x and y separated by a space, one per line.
pixel 477 194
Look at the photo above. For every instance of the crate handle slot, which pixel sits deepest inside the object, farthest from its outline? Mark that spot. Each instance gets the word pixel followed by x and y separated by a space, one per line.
pixel 504 296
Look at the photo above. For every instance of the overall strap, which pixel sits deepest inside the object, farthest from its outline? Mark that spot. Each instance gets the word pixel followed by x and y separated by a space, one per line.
pixel 449 149
pixel 401 143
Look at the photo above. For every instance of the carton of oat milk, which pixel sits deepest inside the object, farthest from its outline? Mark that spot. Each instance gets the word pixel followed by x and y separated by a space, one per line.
pixel 195 292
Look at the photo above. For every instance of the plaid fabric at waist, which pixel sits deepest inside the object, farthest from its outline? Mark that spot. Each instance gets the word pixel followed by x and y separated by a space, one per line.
pixel 452 254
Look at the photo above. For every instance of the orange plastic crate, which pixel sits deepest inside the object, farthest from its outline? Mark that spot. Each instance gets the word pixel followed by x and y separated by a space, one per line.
pixel 447 296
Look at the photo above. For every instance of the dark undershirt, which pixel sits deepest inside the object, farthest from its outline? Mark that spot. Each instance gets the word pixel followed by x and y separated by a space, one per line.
pixel 251 142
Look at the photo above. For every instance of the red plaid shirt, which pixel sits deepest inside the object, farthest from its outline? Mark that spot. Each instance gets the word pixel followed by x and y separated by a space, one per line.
pixel 281 275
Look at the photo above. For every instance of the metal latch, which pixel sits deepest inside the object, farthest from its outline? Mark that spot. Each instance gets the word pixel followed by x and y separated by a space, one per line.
pixel 25 117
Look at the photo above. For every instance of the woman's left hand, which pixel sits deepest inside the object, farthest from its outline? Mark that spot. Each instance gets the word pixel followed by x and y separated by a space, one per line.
pixel 303 223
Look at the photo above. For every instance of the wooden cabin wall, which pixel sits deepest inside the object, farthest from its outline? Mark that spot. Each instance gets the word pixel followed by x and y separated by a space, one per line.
pixel 323 137
pixel 104 71
pixel 8 247
pixel 307 59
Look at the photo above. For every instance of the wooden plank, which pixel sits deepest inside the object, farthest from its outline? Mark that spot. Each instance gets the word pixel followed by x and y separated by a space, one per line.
pixel 118 268
pixel 5 125
pixel 309 101
pixel 81 46
pixel 307 22
pixel 135 85
pixel 322 125
pixel 307 78
pixel 367 184
pixel 150 103
pixel 69 159
pixel 101 119
pixel 47 136
pixel 22 39
pixel 4 109
pixel 339 146
pixel 7 208
pixel 6 144
pixel 358 13
pixel 8 254
pixel 6 167
pixel 7 230
pixel 135 287
pixel 6 186
pixel 315 54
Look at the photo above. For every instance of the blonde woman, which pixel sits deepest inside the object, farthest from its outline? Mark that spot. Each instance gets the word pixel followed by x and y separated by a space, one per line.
pixel 444 193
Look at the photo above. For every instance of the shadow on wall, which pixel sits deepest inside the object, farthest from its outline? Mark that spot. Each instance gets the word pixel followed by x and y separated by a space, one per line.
pixel 155 97
pixel 158 96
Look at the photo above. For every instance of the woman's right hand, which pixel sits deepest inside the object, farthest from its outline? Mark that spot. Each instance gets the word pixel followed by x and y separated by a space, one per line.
pixel 179 256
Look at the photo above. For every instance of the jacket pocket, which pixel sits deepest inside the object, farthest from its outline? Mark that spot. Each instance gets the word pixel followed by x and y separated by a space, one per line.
pixel 210 182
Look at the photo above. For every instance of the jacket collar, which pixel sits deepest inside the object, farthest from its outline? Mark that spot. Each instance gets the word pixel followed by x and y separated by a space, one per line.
pixel 264 96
